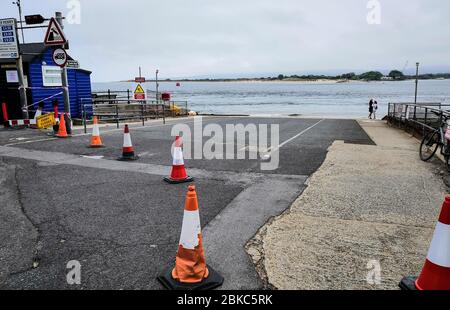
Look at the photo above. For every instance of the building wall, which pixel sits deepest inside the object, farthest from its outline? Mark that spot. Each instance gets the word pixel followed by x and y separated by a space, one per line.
pixel 79 86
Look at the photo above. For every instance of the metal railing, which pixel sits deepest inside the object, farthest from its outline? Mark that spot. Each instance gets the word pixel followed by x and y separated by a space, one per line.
pixel 420 118
pixel 124 110
pixel 109 95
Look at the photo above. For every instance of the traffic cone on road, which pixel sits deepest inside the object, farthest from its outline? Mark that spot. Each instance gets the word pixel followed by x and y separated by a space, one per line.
pixel 435 275
pixel 62 132
pixel 128 150
pixel 96 140
pixel 178 174
pixel 191 271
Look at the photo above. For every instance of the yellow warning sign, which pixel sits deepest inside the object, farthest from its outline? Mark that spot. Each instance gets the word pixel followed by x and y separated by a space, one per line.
pixel 45 121
pixel 139 90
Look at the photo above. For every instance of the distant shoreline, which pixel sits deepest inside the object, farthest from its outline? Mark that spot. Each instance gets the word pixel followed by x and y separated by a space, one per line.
pixel 300 81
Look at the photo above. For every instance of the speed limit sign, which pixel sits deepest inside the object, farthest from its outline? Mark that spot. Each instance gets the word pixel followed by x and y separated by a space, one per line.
pixel 60 57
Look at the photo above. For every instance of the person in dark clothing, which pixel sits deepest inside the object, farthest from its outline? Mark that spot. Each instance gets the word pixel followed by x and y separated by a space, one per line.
pixel 371 102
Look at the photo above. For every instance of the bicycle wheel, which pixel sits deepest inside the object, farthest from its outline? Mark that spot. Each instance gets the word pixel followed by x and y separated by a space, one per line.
pixel 429 145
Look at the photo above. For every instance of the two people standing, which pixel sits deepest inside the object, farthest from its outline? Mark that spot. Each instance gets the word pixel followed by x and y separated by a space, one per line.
pixel 373 108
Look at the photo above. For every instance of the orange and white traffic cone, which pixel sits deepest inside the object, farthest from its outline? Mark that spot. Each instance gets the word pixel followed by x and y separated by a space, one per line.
pixel 178 174
pixel 62 132
pixel 96 140
pixel 435 275
pixel 128 150
pixel 191 271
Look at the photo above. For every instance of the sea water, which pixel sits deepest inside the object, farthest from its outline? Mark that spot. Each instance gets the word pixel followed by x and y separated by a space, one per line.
pixel 315 99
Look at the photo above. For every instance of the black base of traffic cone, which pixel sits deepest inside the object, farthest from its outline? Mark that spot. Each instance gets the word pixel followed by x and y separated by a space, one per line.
pixel 408 284
pixel 128 158
pixel 172 181
pixel 213 281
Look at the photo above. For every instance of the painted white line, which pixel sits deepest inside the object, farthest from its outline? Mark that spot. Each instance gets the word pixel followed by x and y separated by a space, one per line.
pixel 168 123
pixel 271 149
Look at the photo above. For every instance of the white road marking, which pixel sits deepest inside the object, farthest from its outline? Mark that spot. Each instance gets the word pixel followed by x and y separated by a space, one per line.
pixel 271 149
pixel 93 157
pixel 168 123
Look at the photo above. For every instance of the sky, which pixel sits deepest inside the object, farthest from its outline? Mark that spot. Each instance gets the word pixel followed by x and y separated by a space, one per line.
pixel 248 38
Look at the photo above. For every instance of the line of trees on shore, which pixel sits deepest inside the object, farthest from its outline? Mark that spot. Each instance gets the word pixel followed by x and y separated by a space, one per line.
pixel 366 76
pixel 395 75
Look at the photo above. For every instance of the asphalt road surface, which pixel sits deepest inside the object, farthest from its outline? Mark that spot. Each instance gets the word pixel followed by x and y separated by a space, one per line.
pixel 61 201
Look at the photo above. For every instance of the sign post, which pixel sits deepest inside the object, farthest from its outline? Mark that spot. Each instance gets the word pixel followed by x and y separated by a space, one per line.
pixel 55 36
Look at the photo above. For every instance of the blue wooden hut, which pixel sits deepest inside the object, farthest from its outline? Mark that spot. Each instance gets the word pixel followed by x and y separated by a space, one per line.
pixel 44 82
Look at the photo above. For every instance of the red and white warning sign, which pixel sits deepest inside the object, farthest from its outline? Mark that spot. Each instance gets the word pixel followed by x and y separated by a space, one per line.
pixel 139 93
pixel 54 34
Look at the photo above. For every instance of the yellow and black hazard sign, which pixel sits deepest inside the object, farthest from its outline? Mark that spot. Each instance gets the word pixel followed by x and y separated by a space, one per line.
pixel 139 93
pixel 45 121
pixel 139 90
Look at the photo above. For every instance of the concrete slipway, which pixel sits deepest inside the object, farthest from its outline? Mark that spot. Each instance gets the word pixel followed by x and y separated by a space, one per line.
pixel 368 208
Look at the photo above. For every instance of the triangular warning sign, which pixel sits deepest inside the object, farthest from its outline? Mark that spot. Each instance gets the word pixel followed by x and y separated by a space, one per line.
pixel 139 90
pixel 54 35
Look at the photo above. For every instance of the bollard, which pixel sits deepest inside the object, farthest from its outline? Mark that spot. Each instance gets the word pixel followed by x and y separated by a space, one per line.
pixel 5 115
pixel 68 120
pixel 55 110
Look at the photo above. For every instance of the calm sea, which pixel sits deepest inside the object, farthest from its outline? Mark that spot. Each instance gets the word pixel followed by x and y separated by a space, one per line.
pixel 286 98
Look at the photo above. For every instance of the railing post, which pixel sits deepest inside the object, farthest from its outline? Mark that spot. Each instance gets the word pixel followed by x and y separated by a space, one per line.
pixel 164 113
pixel 128 96
pixel 142 110
pixel 84 117
pixel 117 116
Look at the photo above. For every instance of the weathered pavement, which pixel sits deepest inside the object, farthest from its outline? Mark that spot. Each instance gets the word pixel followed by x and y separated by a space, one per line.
pixel 122 222
pixel 366 205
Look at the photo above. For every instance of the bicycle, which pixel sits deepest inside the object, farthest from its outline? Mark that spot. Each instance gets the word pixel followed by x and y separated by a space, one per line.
pixel 434 140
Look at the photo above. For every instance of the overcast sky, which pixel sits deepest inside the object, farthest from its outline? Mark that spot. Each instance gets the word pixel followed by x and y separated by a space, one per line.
pixel 190 38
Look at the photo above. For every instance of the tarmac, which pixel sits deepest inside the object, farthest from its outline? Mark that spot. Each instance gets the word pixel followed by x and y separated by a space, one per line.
pixel 365 220
pixel 62 201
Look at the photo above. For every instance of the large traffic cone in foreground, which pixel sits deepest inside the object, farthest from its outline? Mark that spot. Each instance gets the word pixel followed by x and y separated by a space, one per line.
pixel 62 132
pixel 178 174
pixel 191 271
pixel 435 275
pixel 128 150
pixel 96 140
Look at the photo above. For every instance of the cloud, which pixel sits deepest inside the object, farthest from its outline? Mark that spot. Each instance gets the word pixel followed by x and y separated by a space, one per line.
pixel 212 37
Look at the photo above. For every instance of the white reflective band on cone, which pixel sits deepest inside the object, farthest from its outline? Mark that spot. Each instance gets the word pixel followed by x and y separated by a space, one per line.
pixel 127 140
pixel 178 157
pixel 439 253
pixel 96 131
pixel 190 230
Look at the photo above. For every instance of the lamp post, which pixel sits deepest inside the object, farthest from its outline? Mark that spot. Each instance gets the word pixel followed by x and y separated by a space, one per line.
pixel 19 5
pixel 157 86
pixel 417 81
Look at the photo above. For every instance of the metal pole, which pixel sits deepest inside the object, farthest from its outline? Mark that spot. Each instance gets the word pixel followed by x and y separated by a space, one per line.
pixel 417 81
pixel 22 88
pixel 64 76
pixel 117 116
pixel 157 86
pixel 19 5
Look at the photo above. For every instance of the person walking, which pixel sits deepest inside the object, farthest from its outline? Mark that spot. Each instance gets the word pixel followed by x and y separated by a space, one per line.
pixel 371 102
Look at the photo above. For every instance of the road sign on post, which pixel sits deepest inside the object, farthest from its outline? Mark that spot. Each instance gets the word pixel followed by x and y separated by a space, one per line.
pixel 9 46
pixel 54 34
pixel 139 93
pixel 60 57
